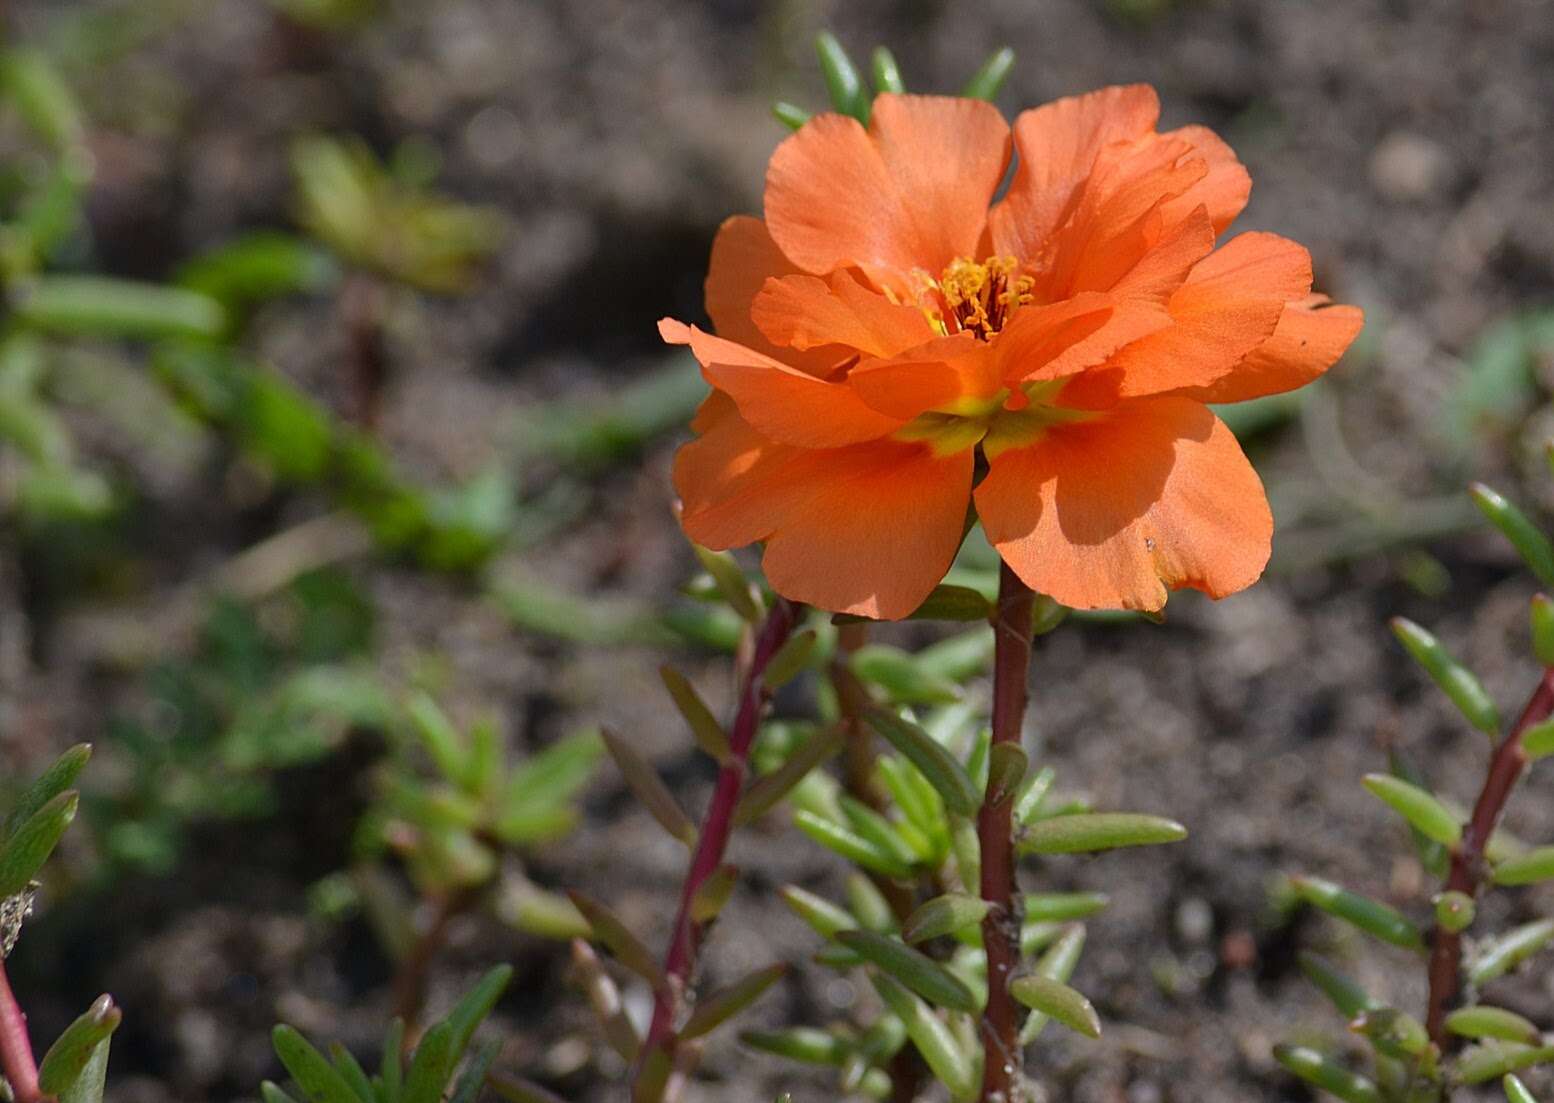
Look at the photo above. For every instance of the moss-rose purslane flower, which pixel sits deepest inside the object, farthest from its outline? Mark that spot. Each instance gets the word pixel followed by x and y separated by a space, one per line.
pixel 888 326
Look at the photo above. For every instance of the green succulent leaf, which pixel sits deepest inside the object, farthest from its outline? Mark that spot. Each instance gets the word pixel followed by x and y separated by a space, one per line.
pixel 987 80
pixel 1492 1022
pixel 1525 537
pixel 709 734
pixel 932 759
pixel 1526 869
pixel 1492 1060
pixel 1370 916
pixel 1058 907
pixel 53 781
pixel 714 1010
pixel 71 1053
pixel 319 1080
pixel 627 948
pixel 1057 964
pixel 916 970
pixel 1324 1073
pixel 947 914
pixel 841 76
pixel 29 847
pixel 1516 1091
pixel 1423 811
pixel 887 74
pixel 1087 832
pixel 1058 1001
pixel 938 1045
pixel 1344 993
pixel 850 845
pixel 760 797
pixel 649 788
pixel 1456 681
pixel 1497 957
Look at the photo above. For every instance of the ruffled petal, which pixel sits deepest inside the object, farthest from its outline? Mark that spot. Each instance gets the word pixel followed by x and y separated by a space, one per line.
pixel 805 312
pixel 1225 186
pixel 1111 512
pixel 781 402
pixel 910 193
pixel 1229 305
pixel 869 529
pixel 744 257
pixel 1311 335
pixel 1058 144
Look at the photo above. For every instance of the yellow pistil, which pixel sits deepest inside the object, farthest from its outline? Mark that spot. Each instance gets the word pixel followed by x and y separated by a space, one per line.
pixel 969 297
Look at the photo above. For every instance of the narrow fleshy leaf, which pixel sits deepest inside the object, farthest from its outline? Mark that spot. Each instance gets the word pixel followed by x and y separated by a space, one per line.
pixel 799 1043
pixel 868 903
pixel 1493 1022
pixel 713 893
pixel 1516 1091
pixel 1492 1060
pixel 1057 964
pixel 761 796
pixel 790 115
pixel 626 947
pixel 1370 916
pixel 1432 855
pixel 987 80
pixel 1538 740
pixel 1097 831
pixel 438 735
pixel 954 911
pixel 1006 767
pixel 916 970
pixel 1454 911
pixel 271 1092
pixel 841 76
pixel 318 1079
pixel 1421 809
pixel 1459 683
pixel 91 1084
pixel 1526 869
pixel 1497 957
pixel 391 1070
pixel 650 789
pixel 473 1079
pixel 1345 994
pixel 717 1008
pixel 850 845
pixel 1057 907
pixel 1392 1032
pixel 68 1057
pixel 706 730
pixel 904 677
pixel 604 999
pixel 1032 793
pixel 346 1064
pixel 431 1066
pixel 887 74
pixel 1541 616
pixel 825 918
pixel 475 1005
pixel 731 582
pixel 25 852
pixel 1057 1001
pixel 876 828
pixel 933 1039
pixel 1525 537
pixel 1331 1077
pixel 791 659
pixel 61 775
pixel 948 777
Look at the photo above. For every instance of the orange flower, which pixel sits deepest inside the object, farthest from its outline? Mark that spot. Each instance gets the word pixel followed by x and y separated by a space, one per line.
pixel 885 327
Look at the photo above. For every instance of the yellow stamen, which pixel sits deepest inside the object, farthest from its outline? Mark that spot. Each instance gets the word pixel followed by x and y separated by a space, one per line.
pixel 977 298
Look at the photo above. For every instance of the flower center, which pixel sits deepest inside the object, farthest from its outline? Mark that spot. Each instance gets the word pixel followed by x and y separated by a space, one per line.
pixel 1008 419
pixel 974 298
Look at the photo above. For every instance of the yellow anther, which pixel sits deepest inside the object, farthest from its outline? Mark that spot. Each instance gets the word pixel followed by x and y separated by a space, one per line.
pixel 976 298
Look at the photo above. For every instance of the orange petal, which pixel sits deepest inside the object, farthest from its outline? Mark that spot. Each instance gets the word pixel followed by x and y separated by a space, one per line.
pixel 1033 346
pixel 869 529
pixel 1229 306
pixel 744 257
pixel 1058 144
pixel 804 312
pixel 937 374
pixel 1309 339
pixel 1108 513
pixel 1225 188
pixel 781 402
pixel 911 192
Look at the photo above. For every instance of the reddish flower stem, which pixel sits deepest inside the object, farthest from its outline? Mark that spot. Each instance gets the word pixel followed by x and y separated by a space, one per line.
pixel 995 833
pixel 717 826
pixel 16 1059
pixel 1467 857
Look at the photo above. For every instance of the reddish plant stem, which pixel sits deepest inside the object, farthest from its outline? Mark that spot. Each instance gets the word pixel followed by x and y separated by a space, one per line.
pixel 16 1059
pixel 1467 857
pixel 361 311
pixel 995 833
pixel 853 700
pixel 410 980
pixel 717 826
